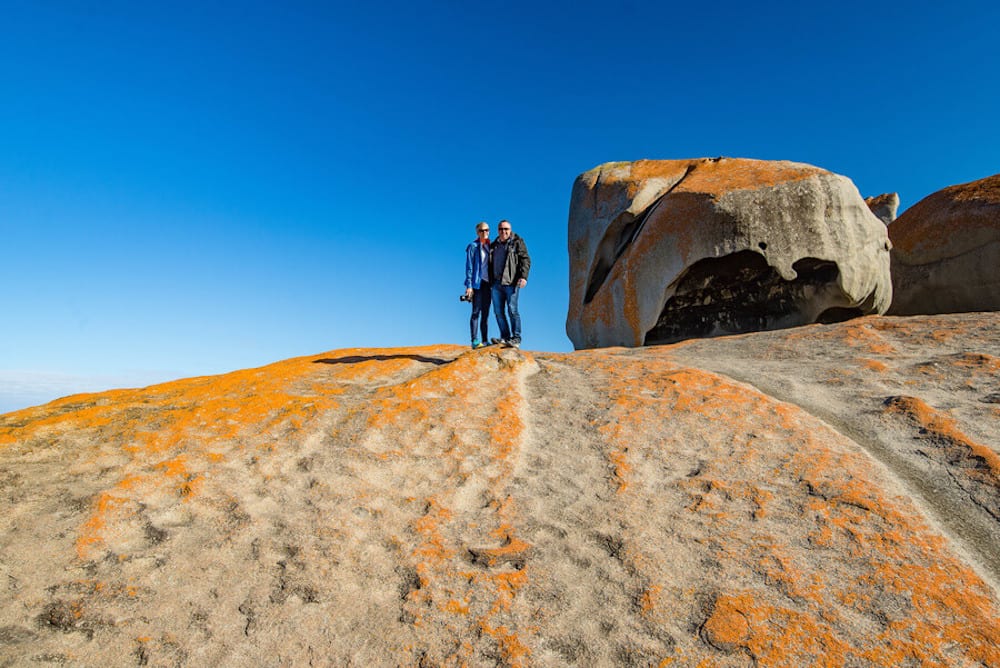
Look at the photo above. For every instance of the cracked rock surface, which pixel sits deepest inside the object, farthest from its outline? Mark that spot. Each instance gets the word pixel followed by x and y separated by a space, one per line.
pixel 826 494
pixel 665 250
pixel 946 251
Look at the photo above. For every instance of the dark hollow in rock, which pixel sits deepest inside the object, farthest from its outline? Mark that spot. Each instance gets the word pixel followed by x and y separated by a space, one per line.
pixel 740 293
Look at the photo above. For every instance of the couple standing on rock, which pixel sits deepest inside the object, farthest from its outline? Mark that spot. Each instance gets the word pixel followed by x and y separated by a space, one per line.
pixel 495 272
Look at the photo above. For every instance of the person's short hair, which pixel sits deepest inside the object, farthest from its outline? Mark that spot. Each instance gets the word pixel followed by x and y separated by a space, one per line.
pixel 480 224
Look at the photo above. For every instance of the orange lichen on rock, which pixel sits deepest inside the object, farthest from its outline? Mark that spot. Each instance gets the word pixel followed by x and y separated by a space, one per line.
pixel 617 507
pixel 728 628
pixel 939 425
pixel 187 427
pixel 873 365
pixel 470 430
pixel 792 596
pixel 108 508
pixel 719 175
pixel 953 217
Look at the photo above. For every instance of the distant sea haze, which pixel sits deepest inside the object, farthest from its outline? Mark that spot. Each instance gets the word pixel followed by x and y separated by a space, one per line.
pixel 23 389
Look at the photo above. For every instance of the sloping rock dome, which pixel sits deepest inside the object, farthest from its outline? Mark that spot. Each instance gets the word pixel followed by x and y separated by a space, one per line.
pixel 812 496
pixel 946 251
pixel 664 250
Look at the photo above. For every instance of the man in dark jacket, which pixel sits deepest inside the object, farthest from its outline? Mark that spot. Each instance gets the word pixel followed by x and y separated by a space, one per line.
pixel 509 265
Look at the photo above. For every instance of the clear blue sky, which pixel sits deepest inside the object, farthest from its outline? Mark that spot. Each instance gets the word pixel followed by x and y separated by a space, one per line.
pixel 191 188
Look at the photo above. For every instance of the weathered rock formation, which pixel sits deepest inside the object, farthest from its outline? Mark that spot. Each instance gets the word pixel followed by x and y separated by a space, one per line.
pixel 828 495
pixel 884 206
pixel 946 251
pixel 664 250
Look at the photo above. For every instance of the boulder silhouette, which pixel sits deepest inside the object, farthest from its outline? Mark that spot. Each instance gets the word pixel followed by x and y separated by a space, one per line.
pixel 946 251
pixel 664 250
pixel 822 495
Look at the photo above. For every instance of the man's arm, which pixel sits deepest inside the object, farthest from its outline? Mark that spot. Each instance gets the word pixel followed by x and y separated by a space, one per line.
pixel 523 261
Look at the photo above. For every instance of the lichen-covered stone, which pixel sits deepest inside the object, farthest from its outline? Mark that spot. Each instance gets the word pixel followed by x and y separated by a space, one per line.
pixel 884 206
pixel 946 251
pixel 663 250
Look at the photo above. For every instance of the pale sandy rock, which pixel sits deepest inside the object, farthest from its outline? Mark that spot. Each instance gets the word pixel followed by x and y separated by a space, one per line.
pixel 828 495
pixel 946 251
pixel 662 250
pixel 884 206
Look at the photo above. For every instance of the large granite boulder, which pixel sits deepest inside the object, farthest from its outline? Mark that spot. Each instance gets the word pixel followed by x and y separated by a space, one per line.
pixel 665 250
pixel 946 255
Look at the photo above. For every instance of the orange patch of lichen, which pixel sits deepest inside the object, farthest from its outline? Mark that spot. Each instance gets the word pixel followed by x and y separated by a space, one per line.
pixel 649 600
pixel 950 219
pixel 862 335
pixel 642 170
pixel 726 175
pixel 940 425
pixel 727 627
pixel 874 365
pixel 716 176
pixel 979 363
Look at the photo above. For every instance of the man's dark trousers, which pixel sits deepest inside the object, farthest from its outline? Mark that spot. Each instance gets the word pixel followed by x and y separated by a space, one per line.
pixel 504 305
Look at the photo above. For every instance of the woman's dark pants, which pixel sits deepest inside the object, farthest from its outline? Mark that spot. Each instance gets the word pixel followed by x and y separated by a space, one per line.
pixel 481 298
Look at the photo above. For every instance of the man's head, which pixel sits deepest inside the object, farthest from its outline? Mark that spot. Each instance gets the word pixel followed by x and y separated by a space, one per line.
pixel 503 230
pixel 483 231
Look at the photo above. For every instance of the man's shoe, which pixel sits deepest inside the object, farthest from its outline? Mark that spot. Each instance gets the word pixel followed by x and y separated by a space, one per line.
pixel 479 345
pixel 476 344
pixel 513 344
pixel 496 341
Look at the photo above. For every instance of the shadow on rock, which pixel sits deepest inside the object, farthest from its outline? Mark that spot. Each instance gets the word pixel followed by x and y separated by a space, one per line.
pixel 354 359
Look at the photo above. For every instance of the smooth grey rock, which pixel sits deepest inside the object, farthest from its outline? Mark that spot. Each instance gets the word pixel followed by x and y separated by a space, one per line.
pixel 884 206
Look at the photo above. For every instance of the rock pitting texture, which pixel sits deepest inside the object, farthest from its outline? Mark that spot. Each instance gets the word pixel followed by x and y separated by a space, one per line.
pixel 663 250
pixel 946 251
pixel 438 506
pixel 884 206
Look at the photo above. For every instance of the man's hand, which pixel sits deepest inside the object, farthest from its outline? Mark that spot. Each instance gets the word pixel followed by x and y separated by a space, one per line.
pixel 468 293
pixel 521 282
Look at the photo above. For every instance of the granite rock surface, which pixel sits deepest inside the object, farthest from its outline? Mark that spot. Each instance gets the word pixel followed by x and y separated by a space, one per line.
pixel 826 494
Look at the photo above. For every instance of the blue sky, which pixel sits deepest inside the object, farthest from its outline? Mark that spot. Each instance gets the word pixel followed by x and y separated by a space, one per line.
pixel 191 188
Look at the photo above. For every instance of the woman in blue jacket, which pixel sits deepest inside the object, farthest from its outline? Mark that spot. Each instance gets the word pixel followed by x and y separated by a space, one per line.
pixel 477 284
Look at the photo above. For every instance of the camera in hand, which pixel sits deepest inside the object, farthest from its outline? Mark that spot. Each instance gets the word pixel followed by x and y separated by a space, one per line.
pixel 464 297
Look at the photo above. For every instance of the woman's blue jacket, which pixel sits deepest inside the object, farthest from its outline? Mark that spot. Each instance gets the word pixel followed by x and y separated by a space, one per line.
pixel 472 265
